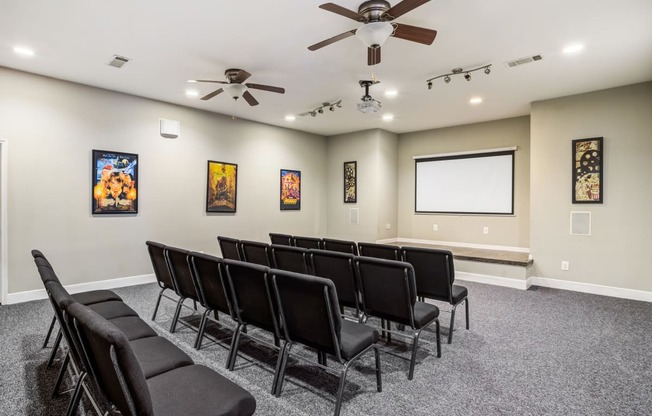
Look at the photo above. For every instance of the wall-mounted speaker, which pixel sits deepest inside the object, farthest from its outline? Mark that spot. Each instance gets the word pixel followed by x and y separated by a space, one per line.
pixel 170 129
pixel 354 216
pixel 580 223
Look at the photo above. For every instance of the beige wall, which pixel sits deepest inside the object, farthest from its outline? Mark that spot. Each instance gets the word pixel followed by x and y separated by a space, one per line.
pixel 375 152
pixel 51 126
pixel 618 251
pixel 503 230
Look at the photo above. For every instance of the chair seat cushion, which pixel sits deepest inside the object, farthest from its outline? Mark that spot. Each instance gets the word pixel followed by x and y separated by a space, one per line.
pixel 355 338
pixel 459 293
pixel 133 327
pixel 95 296
pixel 424 313
pixel 157 355
pixel 198 390
pixel 112 309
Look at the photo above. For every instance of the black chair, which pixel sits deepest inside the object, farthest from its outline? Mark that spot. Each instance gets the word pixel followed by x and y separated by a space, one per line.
pixel 252 304
pixel 388 291
pixel 230 248
pixel 306 242
pixel 308 309
pixel 210 288
pixel 435 274
pixel 256 252
pixel 339 268
pixel 280 239
pixel 161 272
pixel 182 277
pixel 293 259
pixel 342 246
pixel 379 251
pixel 187 390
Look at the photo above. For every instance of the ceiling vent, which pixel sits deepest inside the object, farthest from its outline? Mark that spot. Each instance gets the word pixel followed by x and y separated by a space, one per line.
pixel 523 61
pixel 117 61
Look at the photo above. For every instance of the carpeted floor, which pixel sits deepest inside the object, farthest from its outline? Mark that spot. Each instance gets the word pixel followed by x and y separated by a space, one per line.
pixel 536 352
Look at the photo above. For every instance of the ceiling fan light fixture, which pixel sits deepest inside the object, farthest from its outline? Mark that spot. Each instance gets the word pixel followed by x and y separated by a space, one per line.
pixel 235 90
pixel 374 34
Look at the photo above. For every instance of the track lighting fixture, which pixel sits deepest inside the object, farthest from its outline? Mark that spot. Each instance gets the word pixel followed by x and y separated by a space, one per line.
pixel 459 71
pixel 320 109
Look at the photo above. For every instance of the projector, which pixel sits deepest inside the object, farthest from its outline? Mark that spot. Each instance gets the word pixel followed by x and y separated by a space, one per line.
pixel 369 106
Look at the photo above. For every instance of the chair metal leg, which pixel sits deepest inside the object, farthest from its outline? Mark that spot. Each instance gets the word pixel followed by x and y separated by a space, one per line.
pixel 438 339
pixel 173 326
pixel 202 327
pixel 450 328
pixel 466 305
pixel 55 348
pixel 277 371
pixel 388 326
pixel 340 390
pixel 233 352
pixel 379 381
pixel 158 301
pixel 62 373
pixel 76 396
pixel 413 359
pixel 47 337
pixel 281 376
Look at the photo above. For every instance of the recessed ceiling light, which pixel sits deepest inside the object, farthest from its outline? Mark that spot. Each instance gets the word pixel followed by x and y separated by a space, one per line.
pixel 21 50
pixel 192 80
pixel 388 117
pixel 290 118
pixel 192 93
pixel 570 49
pixel 391 93
pixel 475 100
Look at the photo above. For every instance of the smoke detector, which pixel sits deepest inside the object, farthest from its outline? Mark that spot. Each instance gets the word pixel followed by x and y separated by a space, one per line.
pixel 523 61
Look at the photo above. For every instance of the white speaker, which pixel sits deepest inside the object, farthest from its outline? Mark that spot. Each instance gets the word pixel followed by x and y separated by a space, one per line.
pixel 580 223
pixel 170 129
pixel 354 216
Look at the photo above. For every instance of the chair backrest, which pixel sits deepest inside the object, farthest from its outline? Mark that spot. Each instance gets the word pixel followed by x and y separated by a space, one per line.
pixel 306 242
pixel 206 271
pixel 293 259
pixel 309 310
pixel 251 295
pixel 339 268
pixel 433 270
pixel 280 239
pixel 45 270
pixel 230 248
pixel 387 289
pixel 379 251
pixel 112 362
pixel 342 246
pixel 160 264
pixel 180 271
pixel 255 252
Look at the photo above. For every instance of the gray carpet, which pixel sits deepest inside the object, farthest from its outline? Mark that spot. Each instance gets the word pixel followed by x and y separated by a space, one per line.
pixel 536 352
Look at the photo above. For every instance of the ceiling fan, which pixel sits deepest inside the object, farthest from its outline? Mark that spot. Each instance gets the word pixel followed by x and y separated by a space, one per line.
pixel 235 87
pixel 376 15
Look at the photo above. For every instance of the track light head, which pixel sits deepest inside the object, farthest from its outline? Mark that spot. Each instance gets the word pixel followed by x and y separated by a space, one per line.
pixel 313 114
pixel 430 85
pixel 467 76
pixel 339 105
pixel 487 70
pixel 320 111
pixel 447 79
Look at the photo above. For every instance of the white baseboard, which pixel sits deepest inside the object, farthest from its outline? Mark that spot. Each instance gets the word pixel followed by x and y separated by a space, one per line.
pixel 492 280
pixel 29 295
pixel 453 244
pixel 616 292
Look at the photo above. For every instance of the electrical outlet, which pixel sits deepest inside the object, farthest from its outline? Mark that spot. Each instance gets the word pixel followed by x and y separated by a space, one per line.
pixel 388 226
pixel 565 265
pixel 435 227
pixel 485 230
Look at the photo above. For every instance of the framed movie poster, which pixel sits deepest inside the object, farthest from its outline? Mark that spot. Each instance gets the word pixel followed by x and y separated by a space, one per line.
pixel 587 171
pixel 221 195
pixel 114 182
pixel 290 189
pixel 350 182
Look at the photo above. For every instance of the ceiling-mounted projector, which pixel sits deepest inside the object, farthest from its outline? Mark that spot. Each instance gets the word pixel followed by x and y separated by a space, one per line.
pixel 368 104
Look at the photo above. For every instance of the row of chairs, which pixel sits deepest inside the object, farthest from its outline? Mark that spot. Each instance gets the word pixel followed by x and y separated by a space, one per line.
pixel 131 369
pixel 434 268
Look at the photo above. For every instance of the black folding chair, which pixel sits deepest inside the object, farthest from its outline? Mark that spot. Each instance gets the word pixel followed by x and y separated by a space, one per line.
pixel 342 246
pixel 230 248
pixel 280 239
pixel 161 272
pixel 379 251
pixel 293 259
pixel 182 277
pixel 256 252
pixel 339 268
pixel 306 242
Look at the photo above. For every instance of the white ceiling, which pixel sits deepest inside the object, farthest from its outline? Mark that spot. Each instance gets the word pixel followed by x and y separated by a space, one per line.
pixel 170 42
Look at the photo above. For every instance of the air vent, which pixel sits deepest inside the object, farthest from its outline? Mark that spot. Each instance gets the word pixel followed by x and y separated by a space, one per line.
pixel 117 61
pixel 523 61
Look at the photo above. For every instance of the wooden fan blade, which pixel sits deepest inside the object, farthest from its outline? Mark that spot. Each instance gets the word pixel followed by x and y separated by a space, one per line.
pixel 208 80
pixel 403 7
pixel 249 98
pixel 334 8
pixel 331 40
pixel 242 76
pixel 269 88
pixel 213 94
pixel 373 56
pixel 414 33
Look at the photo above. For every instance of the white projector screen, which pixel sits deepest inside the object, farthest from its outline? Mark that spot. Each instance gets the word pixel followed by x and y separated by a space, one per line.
pixel 481 183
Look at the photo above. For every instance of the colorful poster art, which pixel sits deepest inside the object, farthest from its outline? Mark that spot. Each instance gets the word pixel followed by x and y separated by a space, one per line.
pixel 290 189
pixel 587 171
pixel 350 182
pixel 222 187
pixel 115 177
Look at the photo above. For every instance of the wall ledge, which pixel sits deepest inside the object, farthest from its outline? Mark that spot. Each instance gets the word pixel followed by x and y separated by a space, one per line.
pixel 454 244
